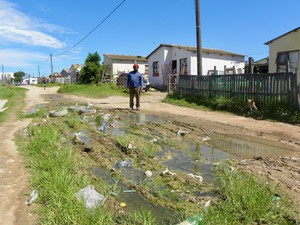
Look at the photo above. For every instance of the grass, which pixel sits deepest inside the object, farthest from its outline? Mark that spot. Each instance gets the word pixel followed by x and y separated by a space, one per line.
pixel 55 175
pixel 15 103
pixel 99 91
pixel 246 201
pixel 281 111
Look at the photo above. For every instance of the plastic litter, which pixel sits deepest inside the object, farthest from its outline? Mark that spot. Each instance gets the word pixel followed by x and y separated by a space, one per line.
pixel 103 127
pixel 129 191
pixel 33 196
pixel 193 220
pixel 182 132
pixel 123 204
pixel 125 163
pixel 148 173
pixel 90 196
pixel 197 177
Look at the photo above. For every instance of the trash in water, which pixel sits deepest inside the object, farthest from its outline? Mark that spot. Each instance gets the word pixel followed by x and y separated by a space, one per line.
pixel 129 191
pixel 148 173
pixel 182 132
pixel 113 124
pixel 103 127
pixel 33 196
pixel 168 172
pixel 125 163
pixel 193 220
pixel 197 177
pixel 90 196
pixel 123 204
pixel 106 117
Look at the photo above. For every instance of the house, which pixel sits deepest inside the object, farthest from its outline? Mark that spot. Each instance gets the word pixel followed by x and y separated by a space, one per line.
pixel 177 59
pixel 7 77
pixel 123 63
pixel 30 80
pixel 75 72
pixel 284 52
pixel 65 72
pixel 259 66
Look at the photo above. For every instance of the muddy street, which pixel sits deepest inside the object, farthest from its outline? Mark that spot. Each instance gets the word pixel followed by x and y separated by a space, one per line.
pixel 206 135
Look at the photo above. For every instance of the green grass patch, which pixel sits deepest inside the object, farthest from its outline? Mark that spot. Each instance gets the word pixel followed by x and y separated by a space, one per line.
pixel 94 91
pixel 282 110
pixel 246 201
pixel 15 100
pixel 55 175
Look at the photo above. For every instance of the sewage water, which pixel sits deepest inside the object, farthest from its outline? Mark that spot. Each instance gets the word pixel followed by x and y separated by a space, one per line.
pixel 198 158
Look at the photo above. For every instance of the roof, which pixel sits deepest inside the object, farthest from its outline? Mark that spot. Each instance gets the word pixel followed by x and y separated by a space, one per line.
pixel 126 57
pixel 295 30
pixel 194 49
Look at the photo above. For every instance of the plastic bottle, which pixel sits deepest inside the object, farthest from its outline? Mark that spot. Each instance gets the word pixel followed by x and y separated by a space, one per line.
pixel 193 220
pixel 33 196
pixel 103 127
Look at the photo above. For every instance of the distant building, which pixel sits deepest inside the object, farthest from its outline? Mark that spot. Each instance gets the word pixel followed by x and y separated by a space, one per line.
pixel 30 80
pixel 7 77
pixel 123 63
pixel 75 72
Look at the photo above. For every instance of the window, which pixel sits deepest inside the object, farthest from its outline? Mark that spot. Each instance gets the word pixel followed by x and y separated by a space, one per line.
pixel 287 61
pixel 155 69
pixel 183 66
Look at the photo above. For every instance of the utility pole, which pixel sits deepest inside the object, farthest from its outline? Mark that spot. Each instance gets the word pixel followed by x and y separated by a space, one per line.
pixel 2 74
pixel 39 71
pixel 198 31
pixel 51 64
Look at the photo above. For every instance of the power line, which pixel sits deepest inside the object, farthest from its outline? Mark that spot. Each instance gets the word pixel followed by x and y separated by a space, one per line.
pixel 115 9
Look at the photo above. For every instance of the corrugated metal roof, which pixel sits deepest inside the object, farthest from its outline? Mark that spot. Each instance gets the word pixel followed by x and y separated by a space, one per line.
pixel 126 57
pixel 267 43
pixel 194 49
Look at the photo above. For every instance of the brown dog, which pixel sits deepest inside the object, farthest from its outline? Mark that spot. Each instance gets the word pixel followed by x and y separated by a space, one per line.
pixel 251 104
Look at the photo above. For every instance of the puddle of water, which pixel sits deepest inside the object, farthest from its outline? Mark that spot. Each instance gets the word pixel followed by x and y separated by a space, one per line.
pixel 133 199
pixel 196 157
pixel 243 147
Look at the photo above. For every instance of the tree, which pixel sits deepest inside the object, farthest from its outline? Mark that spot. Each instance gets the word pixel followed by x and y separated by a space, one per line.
pixel 91 72
pixel 18 76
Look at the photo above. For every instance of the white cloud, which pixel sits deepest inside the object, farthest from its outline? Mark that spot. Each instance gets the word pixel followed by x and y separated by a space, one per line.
pixel 17 27
pixel 21 58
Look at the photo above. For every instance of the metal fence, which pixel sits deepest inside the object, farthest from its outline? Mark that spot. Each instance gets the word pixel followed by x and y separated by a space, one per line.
pixel 263 88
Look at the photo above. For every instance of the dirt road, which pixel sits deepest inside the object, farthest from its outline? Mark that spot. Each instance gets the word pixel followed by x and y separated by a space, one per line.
pixel 14 188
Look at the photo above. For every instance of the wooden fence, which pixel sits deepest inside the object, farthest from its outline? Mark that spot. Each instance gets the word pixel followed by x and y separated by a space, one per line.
pixel 263 88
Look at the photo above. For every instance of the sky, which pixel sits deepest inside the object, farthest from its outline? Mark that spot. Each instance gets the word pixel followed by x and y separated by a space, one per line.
pixel 34 31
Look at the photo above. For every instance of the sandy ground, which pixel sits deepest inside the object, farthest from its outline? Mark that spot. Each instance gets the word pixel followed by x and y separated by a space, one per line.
pixel 14 187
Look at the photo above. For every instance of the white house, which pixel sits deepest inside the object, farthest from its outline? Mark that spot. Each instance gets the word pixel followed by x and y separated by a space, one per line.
pixel 30 80
pixel 177 59
pixel 123 63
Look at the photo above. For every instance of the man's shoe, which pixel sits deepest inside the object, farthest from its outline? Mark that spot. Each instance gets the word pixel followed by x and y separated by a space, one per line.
pixel 138 108
pixel 131 108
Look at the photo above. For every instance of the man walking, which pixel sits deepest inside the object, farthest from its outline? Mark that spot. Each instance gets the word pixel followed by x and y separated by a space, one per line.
pixel 135 85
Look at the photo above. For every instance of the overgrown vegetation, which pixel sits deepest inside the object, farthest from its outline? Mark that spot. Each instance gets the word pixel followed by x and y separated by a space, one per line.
pixel 280 111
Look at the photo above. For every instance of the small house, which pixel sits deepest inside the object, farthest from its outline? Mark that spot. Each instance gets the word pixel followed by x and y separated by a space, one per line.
pixel 284 52
pixel 123 63
pixel 177 59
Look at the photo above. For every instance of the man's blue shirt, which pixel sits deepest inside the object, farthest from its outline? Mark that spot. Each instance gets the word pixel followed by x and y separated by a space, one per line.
pixel 134 79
